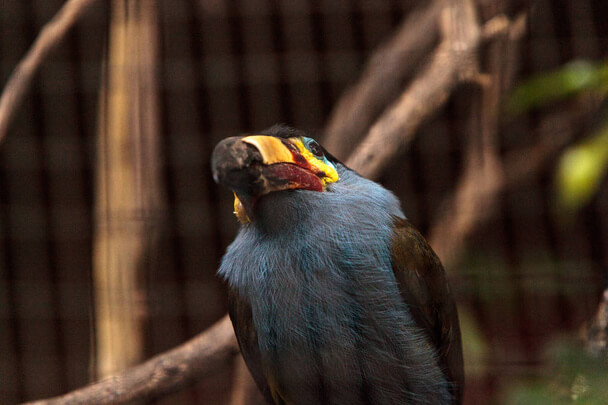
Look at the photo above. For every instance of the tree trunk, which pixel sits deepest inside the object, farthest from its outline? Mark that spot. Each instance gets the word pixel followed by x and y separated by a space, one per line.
pixel 128 184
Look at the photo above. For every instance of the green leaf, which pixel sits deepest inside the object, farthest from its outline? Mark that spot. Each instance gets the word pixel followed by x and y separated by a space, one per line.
pixel 566 81
pixel 581 169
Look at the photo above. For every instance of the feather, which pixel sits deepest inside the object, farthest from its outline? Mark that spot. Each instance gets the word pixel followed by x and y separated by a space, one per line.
pixel 318 301
pixel 424 288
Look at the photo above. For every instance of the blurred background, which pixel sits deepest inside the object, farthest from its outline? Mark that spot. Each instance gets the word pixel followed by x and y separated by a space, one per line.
pixel 105 179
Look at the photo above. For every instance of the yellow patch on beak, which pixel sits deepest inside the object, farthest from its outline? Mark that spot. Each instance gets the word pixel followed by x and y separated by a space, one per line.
pixel 271 149
pixel 331 175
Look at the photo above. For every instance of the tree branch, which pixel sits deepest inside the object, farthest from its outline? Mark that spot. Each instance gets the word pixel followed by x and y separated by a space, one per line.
pixel 472 203
pixel 382 80
pixel 451 64
pixel 163 374
pixel 244 389
pixel 390 68
pixel 21 78
pixel 475 196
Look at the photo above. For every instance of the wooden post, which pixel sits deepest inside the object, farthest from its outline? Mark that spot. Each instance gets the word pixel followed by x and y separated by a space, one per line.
pixel 128 193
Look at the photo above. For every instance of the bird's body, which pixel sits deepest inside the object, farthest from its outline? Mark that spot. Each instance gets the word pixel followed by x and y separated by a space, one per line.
pixel 324 305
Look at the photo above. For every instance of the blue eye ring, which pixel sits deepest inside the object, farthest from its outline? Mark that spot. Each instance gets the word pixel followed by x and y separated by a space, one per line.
pixel 314 148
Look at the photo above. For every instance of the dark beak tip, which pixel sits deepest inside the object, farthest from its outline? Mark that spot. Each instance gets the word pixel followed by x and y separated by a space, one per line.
pixel 235 153
pixel 231 162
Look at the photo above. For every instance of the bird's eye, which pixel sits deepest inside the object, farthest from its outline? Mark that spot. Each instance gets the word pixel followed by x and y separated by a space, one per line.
pixel 315 148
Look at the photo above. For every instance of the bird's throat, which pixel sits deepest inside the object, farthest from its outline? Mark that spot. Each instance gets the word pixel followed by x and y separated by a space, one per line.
pixel 274 178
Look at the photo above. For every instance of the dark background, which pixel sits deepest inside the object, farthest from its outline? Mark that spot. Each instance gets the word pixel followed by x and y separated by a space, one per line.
pixel 229 67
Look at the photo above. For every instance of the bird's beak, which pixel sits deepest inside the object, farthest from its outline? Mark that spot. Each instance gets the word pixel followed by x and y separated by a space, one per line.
pixel 255 165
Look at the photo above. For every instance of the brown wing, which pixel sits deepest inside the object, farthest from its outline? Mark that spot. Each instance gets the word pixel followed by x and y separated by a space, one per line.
pixel 425 289
pixel 240 315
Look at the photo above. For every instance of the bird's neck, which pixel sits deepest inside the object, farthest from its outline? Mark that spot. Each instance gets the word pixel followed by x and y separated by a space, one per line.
pixel 292 227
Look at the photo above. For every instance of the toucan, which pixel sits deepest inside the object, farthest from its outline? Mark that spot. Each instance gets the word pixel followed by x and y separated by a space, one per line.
pixel 334 296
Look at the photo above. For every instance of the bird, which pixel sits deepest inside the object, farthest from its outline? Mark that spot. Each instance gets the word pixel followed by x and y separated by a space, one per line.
pixel 334 296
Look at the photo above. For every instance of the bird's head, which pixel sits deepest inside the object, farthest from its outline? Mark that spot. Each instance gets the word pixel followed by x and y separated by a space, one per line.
pixel 277 159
